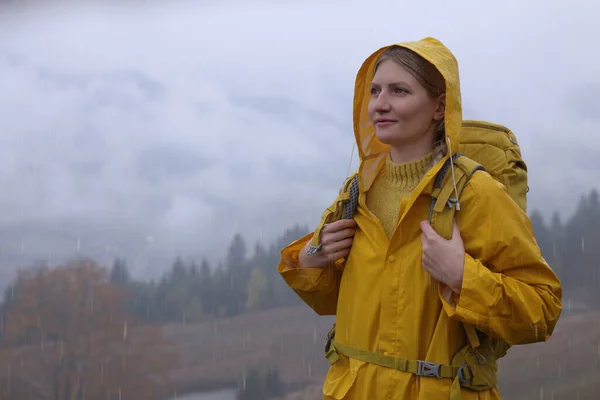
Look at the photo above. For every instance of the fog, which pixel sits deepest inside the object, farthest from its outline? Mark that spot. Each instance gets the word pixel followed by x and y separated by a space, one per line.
pixel 153 129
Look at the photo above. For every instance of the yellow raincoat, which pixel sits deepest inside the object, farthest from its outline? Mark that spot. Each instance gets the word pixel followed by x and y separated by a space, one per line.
pixel 385 302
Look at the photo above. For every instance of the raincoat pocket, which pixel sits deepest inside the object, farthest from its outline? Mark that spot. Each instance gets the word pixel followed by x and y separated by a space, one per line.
pixel 341 376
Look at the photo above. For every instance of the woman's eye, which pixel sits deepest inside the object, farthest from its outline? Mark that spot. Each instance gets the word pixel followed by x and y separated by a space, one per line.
pixel 400 91
pixel 374 91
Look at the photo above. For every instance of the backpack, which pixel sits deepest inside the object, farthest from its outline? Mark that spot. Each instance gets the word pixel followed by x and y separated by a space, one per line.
pixel 483 146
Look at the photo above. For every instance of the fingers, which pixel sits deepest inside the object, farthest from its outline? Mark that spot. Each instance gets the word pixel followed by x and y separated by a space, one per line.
pixel 337 234
pixel 337 239
pixel 337 255
pixel 339 225
pixel 332 237
pixel 337 246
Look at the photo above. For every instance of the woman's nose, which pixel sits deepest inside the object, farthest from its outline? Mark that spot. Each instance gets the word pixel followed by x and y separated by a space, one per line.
pixel 382 104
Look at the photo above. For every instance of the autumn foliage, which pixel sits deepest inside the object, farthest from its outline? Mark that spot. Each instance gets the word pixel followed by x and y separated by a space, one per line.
pixel 75 339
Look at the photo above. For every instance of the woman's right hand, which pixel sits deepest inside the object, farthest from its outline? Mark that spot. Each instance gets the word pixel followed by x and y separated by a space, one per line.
pixel 336 240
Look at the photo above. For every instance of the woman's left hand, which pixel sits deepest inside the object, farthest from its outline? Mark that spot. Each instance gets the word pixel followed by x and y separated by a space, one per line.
pixel 443 259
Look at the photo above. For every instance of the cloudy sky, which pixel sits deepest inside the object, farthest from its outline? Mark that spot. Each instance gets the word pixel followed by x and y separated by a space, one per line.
pixel 162 128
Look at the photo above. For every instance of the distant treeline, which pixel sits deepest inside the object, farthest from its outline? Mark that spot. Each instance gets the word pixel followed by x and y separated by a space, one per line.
pixel 572 248
pixel 192 291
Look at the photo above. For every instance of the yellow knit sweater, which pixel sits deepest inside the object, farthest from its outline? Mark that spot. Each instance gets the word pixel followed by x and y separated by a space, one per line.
pixel 395 182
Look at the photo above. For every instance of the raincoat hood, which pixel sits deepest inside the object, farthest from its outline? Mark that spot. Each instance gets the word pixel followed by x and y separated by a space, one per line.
pixel 371 151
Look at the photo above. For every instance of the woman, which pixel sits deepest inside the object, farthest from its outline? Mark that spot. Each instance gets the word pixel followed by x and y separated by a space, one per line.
pixel 404 292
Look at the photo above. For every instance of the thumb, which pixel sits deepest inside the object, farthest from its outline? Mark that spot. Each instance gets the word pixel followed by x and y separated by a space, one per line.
pixel 455 232
pixel 427 229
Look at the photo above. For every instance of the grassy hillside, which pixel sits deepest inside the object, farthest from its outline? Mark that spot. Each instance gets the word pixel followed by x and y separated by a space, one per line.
pixel 565 367
pixel 217 353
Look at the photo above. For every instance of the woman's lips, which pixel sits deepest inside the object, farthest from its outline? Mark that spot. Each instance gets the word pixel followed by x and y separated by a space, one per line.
pixel 384 122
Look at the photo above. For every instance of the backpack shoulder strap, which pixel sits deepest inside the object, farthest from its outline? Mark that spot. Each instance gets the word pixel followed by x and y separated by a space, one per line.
pixel 352 204
pixel 444 206
pixel 444 197
pixel 343 207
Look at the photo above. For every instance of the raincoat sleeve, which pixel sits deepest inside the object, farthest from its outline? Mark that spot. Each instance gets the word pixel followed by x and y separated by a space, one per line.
pixel 508 289
pixel 317 287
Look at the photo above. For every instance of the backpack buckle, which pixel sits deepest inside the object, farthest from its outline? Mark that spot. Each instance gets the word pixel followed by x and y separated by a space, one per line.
pixel 464 374
pixel 426 368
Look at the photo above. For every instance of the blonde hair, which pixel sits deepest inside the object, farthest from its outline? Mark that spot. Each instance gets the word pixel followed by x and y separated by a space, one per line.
pixel 429 77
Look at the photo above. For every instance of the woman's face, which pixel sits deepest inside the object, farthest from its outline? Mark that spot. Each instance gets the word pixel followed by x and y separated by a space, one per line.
pixel 401 110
